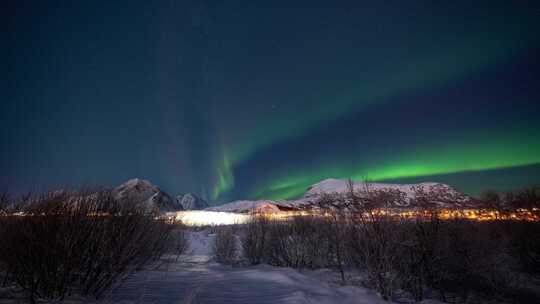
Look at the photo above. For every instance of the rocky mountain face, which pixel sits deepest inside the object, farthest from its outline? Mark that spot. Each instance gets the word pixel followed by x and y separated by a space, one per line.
pixel 190 201
pixel 394 195
pixel 150 196
pixel 406 195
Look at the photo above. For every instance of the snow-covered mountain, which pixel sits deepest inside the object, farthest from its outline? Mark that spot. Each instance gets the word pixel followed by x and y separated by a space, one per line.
pixel 190 201
pixel 143 192
pixel 407 195
pixel 410 191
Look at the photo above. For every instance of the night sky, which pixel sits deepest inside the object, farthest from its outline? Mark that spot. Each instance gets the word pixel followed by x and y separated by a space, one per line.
pixel 261 100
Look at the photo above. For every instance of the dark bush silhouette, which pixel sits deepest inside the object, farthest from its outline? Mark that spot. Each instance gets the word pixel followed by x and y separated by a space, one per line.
pixel 524 245
pixel 179 241
pixel 79 242
pixel 255 238
pixel 224 247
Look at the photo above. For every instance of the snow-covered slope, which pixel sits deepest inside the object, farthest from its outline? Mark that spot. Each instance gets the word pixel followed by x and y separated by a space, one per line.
pixel 410 194
pixel 333 185
pixel 190 201
pixel 246 206
pixel 143 192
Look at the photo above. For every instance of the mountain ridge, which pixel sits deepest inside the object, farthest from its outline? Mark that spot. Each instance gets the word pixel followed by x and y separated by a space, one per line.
pixel 442 195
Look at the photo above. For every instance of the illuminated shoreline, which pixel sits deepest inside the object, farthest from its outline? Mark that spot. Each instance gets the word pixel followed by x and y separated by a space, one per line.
pixel 214 218
pixel 521 214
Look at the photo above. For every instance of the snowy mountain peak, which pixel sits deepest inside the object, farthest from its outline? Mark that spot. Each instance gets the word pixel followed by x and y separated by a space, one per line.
pixel 143 192
pixel 441 194
pixel 190 201
pixel 136 185
pixel 333 185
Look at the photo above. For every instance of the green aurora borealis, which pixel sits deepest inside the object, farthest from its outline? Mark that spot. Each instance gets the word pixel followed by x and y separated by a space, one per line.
pixel 253 101
pixel 436 67
pixel 469 155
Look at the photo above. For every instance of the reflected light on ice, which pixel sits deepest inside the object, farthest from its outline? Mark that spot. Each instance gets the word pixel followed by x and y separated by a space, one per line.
pixel 212 218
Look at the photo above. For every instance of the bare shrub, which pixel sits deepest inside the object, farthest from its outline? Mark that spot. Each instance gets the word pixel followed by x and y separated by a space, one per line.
pixel 450 257
pixel 80 242
pixel 525 198
pixel 334 227
pixel 4 202
pixel 298 243
pixel 224 247
pixel 469 261
pixel 254 239
pixel 281 249
pixel 524 245
pixel 528 198
pixel 179 241
pixel 454 258
pixel 374 243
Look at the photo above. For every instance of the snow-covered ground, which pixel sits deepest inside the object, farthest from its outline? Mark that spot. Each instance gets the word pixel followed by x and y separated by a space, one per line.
pixel 196 279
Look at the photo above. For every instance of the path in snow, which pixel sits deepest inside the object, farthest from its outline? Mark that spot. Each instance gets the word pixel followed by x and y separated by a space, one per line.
pixel 197 280
pixel 220 284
